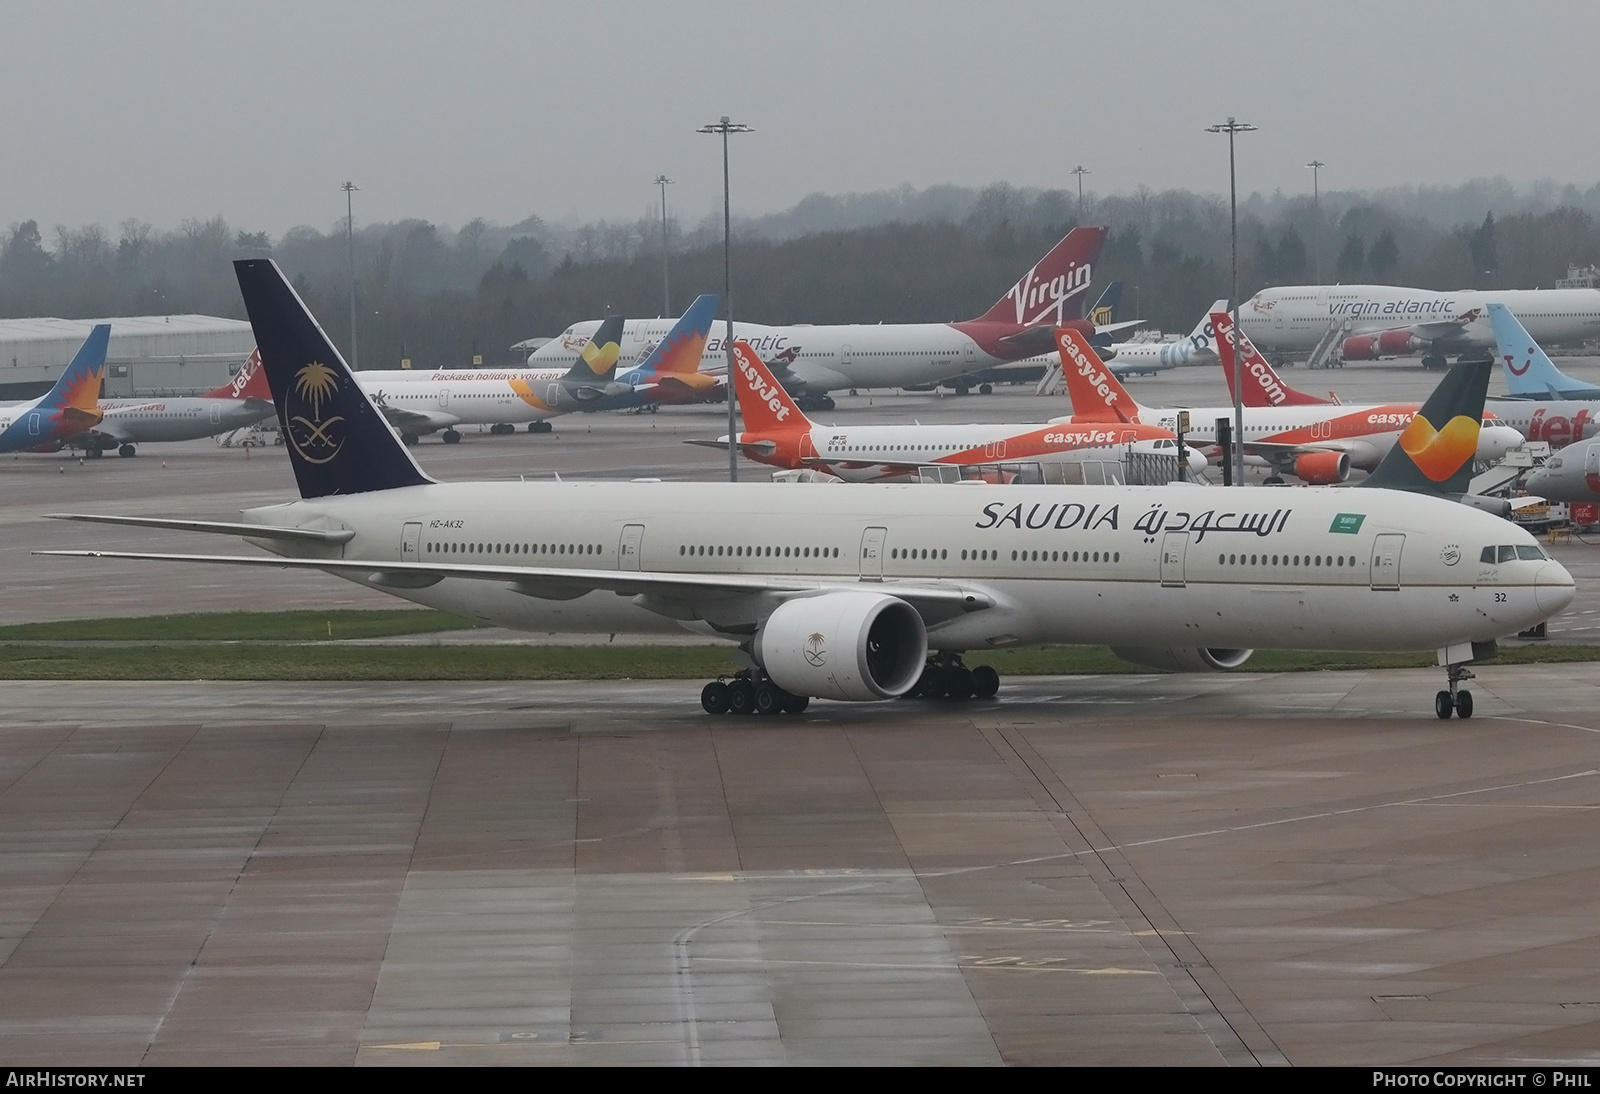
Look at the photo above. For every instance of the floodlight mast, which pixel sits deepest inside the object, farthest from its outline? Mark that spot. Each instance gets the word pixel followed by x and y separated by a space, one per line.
pixel 349 189
pixel 1231 127
pixel 725 127
pixel 666 284
pixel 1316 219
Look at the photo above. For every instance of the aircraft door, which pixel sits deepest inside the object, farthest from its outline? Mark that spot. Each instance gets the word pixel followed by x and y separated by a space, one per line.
pixel 972 354
pixel 33 424
pixel 552 395
pixel 845 355
pixel 1174 550
pixel 1591 463
pixel 1386 560
pixel 628 549
pixel 872 553
pixel 216 412
pixel 444 396
pixel 410 536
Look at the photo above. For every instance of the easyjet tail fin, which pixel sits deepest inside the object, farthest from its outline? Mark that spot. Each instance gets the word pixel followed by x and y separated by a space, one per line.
pixel 1434 454
pixel 1096 394
pixel 338 441
pixel 1052 291
pixel 1262 386
pixel 765 407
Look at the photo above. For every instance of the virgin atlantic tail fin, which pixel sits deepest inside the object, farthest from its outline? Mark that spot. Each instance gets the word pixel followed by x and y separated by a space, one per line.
pixel 1096 394
pixel 1052 291
pixel 1262 386
pixel 339 443
pixel 1434 455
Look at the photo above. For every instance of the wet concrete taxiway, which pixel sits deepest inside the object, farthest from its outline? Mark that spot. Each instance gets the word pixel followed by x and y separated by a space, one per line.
pixel 1232 869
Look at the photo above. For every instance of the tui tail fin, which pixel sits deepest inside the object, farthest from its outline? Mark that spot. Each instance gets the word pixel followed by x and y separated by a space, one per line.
pixel 1529 372
pixel 339 443
pixel 1434 454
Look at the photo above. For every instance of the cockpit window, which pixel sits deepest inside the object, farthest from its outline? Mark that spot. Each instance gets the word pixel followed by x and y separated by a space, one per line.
pixel 1532 554
pixel 1508 553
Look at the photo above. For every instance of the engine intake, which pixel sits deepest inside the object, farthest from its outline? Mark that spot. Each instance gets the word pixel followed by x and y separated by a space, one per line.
pixel 855 646
pixel 1184 660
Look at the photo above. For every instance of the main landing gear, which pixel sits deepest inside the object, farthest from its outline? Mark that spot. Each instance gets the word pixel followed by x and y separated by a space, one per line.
pixel 540 426
pixel 1458 699
pixel 500 429
pixel 946 677
pixel 450 436
pixel 748 694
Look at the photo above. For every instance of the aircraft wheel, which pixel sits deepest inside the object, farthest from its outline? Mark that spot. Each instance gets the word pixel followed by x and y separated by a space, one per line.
pixel 963 389
pixel 450 436
pixel 985 682
pixel 795 704
pixel 827 402
pixel 714 697
pixel 1442 706
pixel 769 698
pixel 853 391
pixel 408 438
pixel 741 697
pixel 126 450
pixel 1272 480
pixel 1463 704
pixel 958 683
pixel 931 683
pixel 985 389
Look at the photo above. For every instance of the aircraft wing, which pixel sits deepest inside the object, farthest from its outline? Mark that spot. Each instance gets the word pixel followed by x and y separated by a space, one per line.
pixel 665 593
pixel 752 448
pixel 1357 449
pixel 417 421
pixel 1113 328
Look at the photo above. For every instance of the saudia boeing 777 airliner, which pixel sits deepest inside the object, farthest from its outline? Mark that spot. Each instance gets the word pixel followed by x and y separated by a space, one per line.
pixel 841 592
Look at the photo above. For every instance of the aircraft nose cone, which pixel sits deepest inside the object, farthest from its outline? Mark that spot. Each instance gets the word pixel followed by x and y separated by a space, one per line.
pixel 1553 588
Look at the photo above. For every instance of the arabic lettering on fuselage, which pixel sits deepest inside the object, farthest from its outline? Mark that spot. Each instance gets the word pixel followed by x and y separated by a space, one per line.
pixel 1159 520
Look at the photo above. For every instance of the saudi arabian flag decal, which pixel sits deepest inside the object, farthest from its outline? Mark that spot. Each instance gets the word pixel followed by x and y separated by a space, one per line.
pixel 1347 523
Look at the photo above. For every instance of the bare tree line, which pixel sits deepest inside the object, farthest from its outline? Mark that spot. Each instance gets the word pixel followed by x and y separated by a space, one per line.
pixel 438 295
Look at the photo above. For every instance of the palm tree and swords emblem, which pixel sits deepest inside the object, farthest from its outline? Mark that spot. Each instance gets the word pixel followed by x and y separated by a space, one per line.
pixel 314 438
pixel 816 652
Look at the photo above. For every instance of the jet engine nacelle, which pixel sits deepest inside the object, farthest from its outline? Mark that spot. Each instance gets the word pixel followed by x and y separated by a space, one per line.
pixel 855 646
pixel 1322 468
pixel 1183 660
pixel 1359 347
pixel 1399 343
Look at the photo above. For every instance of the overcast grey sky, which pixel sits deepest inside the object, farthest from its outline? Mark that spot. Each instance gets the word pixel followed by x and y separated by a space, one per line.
pixel 257 112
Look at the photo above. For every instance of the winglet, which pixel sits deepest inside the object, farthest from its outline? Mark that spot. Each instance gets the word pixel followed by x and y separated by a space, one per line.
pixel 763 403
pixel 1262 386
pixel 338 441
pixel 1096 394
pixel 1434 454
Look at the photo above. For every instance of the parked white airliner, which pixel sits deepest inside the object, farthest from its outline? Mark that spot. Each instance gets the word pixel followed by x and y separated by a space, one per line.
pixel 1375 321
pixel 813 360
pixel 840 592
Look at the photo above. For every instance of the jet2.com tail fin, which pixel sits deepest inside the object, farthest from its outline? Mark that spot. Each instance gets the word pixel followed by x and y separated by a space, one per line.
pixel 1434 455
pixel 1262 386
pixel 1053 290
pixel 597 361
pixel 250 382
pixel 338 441
pixel 1096 394
pixel 1528 370
pixel 763 403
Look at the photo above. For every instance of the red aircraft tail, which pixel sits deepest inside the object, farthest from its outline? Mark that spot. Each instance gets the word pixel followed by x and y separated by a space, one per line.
pixel 250 382
pixel 1096 394
pixel 763 404
pixel 1262 386
pixel 1053 291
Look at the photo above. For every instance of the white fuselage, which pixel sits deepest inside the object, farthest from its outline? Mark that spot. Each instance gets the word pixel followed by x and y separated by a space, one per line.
pixel 1295 318
pixel 1170 566
pixel 1365 432
pixel 1573 475
pixel 825 358
pixel 1557 422
pixel 134 421
pixel 459 397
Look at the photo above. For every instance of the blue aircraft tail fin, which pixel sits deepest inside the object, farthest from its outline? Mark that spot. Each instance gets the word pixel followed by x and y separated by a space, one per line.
pixel 679 352
pixel 339 443
pixel 1529 372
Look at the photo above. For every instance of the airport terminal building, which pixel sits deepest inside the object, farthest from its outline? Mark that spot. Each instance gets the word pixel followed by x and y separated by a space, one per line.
pixel 150 355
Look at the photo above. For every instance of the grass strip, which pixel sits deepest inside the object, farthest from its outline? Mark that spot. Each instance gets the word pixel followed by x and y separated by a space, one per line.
pixel 266 661
pixel 300 626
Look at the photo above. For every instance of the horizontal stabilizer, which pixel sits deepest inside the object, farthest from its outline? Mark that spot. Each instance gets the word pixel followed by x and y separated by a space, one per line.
pixel 217 527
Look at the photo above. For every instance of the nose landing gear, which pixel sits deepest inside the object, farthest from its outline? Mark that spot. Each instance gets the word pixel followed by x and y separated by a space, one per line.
pixel 1456 700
